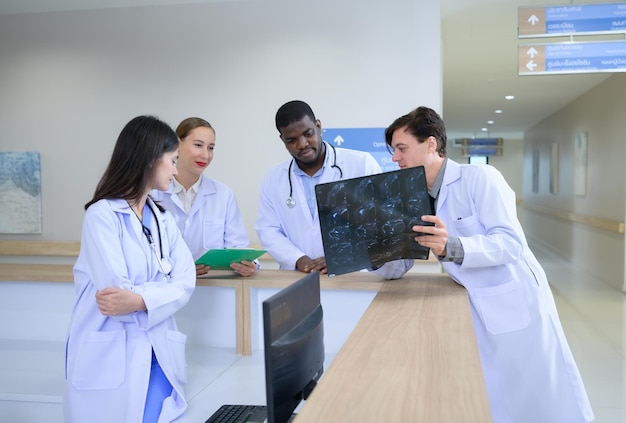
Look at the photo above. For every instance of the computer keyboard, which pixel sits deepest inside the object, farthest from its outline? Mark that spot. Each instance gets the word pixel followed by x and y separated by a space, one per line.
pixel 235 413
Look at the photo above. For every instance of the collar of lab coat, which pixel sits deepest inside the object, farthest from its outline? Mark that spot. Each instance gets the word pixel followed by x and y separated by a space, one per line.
pixel 451 175
pixel 332 157
pixel 207 186
pixel 119 205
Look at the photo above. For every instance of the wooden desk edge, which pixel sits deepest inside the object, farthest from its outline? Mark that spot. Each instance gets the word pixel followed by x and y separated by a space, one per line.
pixel 270 278
pixel 39 248
pixel 22 272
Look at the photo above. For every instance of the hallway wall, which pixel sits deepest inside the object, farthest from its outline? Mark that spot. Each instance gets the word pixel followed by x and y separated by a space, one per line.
pixel 601 113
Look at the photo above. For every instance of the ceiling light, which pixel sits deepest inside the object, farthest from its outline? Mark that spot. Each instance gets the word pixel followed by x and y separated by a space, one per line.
pixel 484 129
pixel 509 97
pixel 489 122
pixel 498 111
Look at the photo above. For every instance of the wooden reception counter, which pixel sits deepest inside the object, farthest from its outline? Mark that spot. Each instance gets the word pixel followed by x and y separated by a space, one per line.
pixel 412 357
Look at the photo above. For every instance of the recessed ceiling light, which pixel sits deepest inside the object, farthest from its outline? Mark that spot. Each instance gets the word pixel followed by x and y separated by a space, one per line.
pixel 484 129
pixel 498 111
pixel 509 97
pixel 489 122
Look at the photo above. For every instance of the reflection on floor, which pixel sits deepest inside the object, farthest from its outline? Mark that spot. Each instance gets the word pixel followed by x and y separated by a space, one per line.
pixel 593 315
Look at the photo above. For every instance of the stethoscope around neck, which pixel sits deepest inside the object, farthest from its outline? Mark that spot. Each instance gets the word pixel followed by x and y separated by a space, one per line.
pixel 291 202
pixel 164 265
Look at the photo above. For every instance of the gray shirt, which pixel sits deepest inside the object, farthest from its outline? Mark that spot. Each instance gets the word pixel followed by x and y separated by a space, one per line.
pixel 454 248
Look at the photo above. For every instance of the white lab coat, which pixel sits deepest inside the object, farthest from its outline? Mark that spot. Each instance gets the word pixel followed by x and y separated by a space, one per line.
pixel 108 359
pixel 290 233
pixel 529 370
pixel 214 220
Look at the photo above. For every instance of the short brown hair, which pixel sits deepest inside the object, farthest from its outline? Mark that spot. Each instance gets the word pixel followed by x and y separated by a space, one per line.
pixel 422 123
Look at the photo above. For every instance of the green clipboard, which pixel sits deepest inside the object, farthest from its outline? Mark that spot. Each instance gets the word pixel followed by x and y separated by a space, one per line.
pixel 221 258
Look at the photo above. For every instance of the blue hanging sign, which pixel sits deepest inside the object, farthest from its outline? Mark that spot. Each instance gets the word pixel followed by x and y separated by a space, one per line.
pixel 559 58
pixel 371 140
pixel 571 19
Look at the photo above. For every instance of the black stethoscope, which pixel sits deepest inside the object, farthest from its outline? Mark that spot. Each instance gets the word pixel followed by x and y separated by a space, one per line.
pixel 164 265
pixel 291 202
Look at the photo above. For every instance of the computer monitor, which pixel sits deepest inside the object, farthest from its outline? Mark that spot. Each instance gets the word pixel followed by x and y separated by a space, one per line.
pixel 294 346
pixel 294 354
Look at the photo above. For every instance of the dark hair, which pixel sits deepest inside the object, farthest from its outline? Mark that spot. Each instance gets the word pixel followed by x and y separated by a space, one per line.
pixel 142 142
pixel 421 123
pixel 291 112
pixel 191 123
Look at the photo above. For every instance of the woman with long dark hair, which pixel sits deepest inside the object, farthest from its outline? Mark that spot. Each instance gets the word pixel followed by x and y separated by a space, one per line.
pixel 125 359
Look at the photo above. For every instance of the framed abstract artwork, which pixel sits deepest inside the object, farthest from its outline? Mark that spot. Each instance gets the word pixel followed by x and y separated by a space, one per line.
pixel 20 190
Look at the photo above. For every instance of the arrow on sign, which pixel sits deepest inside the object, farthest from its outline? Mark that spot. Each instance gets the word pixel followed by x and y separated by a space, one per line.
pixel 531 65
pixel 533 20
pixel 339 140
pixel 532 52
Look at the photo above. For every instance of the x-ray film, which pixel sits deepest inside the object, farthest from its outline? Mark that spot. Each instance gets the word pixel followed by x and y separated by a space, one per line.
pixel 367 221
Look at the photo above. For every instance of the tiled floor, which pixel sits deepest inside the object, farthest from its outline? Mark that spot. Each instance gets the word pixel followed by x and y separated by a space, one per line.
pixel 593 315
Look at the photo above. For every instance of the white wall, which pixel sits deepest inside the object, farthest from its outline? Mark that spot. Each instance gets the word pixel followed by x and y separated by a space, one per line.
pixel 69 81
pixel 601 113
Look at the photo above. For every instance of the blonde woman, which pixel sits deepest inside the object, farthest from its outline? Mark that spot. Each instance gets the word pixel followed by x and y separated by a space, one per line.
pixel 206 210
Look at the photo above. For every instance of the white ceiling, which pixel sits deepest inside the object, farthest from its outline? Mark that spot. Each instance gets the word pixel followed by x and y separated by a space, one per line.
pixel 480 45
pixel 480 67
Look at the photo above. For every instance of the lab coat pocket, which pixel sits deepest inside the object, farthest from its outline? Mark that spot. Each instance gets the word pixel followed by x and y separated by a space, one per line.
pixel 176 341
pixel 100 361
pixel 467 226
pixel 213 233
pixel 503 308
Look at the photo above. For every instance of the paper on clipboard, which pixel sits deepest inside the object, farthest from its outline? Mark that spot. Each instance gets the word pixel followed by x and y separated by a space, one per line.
pixel 221 258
